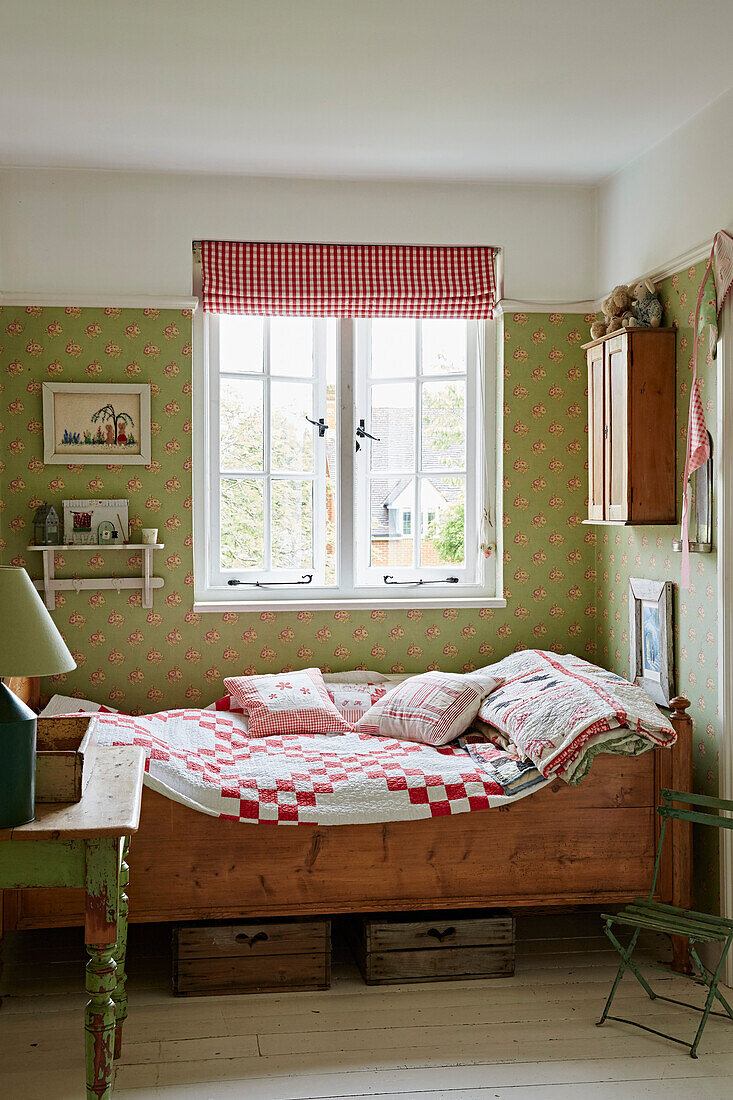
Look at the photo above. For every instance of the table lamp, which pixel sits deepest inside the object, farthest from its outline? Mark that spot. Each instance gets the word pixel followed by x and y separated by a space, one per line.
pixel 30 645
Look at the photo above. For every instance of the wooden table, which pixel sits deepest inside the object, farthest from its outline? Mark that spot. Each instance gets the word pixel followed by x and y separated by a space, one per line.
pixel 86 844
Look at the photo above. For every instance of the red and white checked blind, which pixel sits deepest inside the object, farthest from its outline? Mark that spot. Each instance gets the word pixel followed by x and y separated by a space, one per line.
pixel 348 280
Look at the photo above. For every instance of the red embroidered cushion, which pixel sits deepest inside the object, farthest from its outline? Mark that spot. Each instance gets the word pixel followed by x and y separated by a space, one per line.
pixel 352 701
pixel 291 702
pixel 433 708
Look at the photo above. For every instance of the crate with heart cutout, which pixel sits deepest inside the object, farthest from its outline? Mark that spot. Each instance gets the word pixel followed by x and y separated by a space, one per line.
pixel 424 947
pixel 253 957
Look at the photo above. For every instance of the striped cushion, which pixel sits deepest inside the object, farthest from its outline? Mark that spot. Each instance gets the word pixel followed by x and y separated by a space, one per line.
pixel 433 708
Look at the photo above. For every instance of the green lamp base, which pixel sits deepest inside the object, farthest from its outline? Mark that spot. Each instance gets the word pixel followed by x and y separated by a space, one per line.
pixel 17 760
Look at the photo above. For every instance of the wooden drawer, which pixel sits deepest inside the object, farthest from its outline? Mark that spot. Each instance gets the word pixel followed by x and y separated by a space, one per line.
pixel 256 957
pixel 433 947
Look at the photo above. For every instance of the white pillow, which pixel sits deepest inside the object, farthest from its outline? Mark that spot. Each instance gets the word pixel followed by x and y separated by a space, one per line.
pixel 433 708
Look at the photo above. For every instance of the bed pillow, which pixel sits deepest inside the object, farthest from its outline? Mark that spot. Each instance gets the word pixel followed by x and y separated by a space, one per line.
pixel 351 700
pixel 433 708
pixel 291 702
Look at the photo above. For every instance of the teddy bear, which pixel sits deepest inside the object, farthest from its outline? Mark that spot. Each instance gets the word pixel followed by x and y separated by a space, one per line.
pixel 616 310
pixel 646 309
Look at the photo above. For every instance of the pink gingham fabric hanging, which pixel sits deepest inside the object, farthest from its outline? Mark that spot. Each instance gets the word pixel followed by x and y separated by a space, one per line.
pixel 714 288
pixel 348 280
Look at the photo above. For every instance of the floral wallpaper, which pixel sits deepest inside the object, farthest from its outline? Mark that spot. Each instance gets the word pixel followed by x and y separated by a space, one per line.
pixel 566 584
pixel 145 660
pixel 624 552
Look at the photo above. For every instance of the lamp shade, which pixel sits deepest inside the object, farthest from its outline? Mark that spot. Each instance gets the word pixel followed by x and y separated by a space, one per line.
pixel 30 644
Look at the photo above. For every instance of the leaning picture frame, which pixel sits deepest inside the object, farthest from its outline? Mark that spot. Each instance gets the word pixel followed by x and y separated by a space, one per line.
pixel 88 423
pixel 651 638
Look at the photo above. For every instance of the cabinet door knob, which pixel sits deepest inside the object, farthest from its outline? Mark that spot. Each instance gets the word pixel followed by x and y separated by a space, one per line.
pixel 605 431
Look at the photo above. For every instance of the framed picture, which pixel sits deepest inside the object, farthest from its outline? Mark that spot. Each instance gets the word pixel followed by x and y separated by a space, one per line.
pixel 95 522
pixel 84 422
pixel 652 646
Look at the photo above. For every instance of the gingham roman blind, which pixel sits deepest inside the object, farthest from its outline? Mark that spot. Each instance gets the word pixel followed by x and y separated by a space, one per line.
pixel 348 280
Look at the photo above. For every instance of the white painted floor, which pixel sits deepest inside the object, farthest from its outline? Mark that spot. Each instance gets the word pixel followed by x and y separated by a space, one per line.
pixel 531 1037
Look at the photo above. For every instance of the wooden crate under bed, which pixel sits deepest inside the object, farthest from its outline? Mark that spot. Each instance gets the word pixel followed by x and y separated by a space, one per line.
pixel 254 957
pixel 425 947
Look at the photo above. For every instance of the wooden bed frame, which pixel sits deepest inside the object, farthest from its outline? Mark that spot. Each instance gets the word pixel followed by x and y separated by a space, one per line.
pixel 561 847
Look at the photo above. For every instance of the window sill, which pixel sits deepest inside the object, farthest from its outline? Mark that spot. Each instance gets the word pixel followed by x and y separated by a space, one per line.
pixel 373 603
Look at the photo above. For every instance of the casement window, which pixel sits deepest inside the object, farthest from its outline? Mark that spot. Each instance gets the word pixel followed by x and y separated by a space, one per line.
pixel 344 459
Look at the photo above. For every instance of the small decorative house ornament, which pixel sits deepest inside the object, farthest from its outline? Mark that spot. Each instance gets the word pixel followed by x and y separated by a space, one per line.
pixel 46 526
pixel 85 521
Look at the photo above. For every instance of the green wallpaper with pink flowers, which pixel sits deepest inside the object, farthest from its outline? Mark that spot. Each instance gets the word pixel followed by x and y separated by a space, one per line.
pixel 145 660
pixel 647 552
pixel 566 584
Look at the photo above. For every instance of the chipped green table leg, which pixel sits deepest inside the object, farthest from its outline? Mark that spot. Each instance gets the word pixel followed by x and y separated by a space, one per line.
pixel 102 884
pixel 120 994
pixel 85 844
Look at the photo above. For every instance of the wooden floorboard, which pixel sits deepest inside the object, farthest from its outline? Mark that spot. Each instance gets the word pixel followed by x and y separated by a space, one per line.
pixel 529 1036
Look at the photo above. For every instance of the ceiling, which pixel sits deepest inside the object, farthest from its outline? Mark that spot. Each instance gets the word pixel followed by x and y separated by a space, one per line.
pixel 550 90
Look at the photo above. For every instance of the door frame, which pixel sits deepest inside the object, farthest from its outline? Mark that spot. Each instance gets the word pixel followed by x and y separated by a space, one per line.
pixel 724 489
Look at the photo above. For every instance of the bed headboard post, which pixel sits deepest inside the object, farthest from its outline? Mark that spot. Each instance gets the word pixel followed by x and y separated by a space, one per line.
pixel 681 839
pixel 27 688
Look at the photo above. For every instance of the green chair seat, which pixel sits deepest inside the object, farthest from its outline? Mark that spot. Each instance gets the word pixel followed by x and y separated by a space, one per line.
pixel 655 917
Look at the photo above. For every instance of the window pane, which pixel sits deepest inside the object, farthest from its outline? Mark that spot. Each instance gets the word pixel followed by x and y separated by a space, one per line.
pixel 291 346
pixel 393 347
pixel 393 423
pixel 390 499
pixel 292 524
pixel 241 424
pixel 240 343
pixel 292 435
pixel 444 424
pixel 443 346
pixel 242 523
pixel 443 520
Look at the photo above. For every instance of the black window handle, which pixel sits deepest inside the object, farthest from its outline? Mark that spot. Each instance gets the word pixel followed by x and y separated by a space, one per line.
pixel 320 424
pixel 362 433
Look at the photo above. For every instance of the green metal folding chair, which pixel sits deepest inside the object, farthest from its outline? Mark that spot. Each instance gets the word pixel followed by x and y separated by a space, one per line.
pixel 647 915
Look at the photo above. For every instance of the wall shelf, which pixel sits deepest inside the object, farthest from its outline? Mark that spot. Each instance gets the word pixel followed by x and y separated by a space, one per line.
pixel 50 584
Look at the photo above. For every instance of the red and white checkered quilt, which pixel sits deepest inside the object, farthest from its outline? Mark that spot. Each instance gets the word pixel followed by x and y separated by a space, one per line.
pixel 204 759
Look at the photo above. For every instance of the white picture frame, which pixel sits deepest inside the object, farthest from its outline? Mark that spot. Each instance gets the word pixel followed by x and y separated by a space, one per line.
pixel 116 433
pixel 651 638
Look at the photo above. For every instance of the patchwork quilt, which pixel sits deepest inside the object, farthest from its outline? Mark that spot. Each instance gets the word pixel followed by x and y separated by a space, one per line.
pixel 204 759
pixel 560 711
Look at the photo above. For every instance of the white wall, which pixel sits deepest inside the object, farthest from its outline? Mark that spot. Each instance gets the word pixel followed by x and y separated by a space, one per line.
pixel 670 200
pixel 81 232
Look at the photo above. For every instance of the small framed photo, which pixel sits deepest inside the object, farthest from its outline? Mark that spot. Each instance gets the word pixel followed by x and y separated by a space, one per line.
pixel 652 645
pixel 88 423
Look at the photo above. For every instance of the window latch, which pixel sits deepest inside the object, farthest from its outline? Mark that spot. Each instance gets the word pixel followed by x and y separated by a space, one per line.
pixel 320 424
pixel 307 578
pixel 362 433
pixel 389 579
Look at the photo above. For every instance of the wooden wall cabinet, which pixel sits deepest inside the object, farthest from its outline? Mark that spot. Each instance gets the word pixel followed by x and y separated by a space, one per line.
pixel 631 427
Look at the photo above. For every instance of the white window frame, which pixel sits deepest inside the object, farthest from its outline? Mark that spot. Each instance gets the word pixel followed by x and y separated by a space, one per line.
pixel 218 598
pixel 219 577
pixel 472 572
